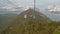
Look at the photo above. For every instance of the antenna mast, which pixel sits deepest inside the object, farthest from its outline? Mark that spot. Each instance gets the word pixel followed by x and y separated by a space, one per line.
pixel 34 4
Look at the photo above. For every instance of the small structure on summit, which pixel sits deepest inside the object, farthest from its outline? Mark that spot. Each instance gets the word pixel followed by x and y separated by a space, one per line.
pixel 33 17
pixel 25 16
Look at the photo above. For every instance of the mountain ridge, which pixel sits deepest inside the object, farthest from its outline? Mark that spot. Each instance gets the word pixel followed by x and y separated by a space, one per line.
pixel 27 22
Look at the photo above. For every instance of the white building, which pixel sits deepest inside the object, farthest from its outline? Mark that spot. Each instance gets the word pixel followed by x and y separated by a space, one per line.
pixel 25 16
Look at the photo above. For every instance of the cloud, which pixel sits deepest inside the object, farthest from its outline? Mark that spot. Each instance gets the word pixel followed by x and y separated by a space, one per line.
pixel 24 2
pixel 9 4
pixel 12 5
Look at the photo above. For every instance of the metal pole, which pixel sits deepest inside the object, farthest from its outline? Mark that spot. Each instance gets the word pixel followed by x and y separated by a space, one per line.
pixel 34 4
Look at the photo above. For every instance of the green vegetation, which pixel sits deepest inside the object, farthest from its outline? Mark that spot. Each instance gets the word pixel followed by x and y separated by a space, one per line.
pixel 41 24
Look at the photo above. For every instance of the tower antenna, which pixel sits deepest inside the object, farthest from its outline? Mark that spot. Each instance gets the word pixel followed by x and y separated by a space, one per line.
pixel 34 4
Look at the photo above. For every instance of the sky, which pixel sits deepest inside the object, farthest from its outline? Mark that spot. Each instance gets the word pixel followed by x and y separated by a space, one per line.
pixel 12 4
pixel 30 3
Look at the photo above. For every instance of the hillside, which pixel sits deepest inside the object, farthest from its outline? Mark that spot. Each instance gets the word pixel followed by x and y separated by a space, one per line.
pixel 31 22
pixel 5 20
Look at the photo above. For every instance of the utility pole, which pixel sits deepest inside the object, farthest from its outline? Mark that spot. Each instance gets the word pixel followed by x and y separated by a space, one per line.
pixel 34 4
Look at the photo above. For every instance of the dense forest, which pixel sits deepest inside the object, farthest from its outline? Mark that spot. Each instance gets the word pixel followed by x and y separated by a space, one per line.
pixel 32 22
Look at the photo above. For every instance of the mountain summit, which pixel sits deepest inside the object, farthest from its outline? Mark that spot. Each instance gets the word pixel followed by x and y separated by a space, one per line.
pixel 28 22
pixel 33 15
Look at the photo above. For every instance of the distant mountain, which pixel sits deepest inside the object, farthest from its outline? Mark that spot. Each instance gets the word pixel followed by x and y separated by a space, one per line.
pixel 9 12
pixel 15 10
pixel 28 21
pixel 5 20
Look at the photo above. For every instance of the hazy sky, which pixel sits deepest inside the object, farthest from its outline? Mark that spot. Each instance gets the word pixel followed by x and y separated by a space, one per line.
pixel 12 4
pixel 30 3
